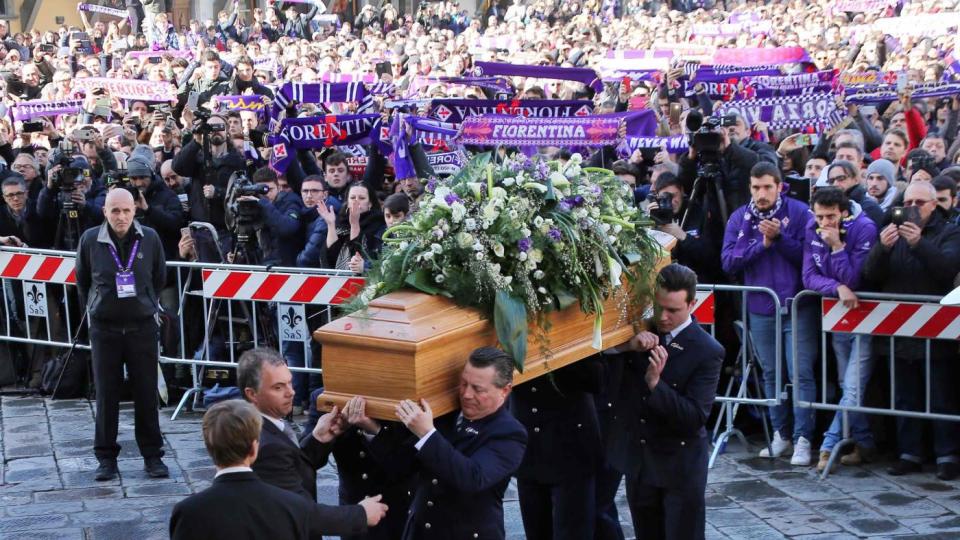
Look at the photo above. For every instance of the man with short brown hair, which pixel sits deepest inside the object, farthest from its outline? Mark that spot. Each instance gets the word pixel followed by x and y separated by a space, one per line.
pixel 240 505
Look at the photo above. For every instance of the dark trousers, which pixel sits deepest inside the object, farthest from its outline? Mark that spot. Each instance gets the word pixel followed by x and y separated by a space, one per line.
pixel 608 519
pixel 666 513
pixel 558 511
pixel 136 17
pixel 910 395
pixel 135 345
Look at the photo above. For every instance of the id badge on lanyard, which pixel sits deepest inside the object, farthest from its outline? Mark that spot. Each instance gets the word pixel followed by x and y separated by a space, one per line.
pixel 126 285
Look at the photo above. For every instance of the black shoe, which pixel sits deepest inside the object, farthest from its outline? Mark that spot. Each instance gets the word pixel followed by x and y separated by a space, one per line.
pixel 155 468
pixel 106 471
pixel 948 470
pixel 902 467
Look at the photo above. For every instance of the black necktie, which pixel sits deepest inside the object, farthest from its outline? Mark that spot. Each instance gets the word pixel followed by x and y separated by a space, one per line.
pixel 666 338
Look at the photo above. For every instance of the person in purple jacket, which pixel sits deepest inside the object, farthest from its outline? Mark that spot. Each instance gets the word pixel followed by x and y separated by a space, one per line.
pixel 837 243
pixel 763 245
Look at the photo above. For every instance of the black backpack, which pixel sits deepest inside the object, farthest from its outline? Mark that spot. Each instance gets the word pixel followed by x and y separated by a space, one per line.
pixel 73 382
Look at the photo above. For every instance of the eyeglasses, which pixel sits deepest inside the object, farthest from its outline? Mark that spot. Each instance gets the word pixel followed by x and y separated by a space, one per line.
pixel 14 195
pixel 312 191
pixel 18 166
pixel 917 202
pixel 838 178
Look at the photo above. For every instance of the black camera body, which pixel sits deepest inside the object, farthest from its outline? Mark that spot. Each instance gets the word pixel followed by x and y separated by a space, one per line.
pixel 243 217
pixel 664 212
pixel 65 180
pixel 706 136
pixel 118 178
pixel 203 127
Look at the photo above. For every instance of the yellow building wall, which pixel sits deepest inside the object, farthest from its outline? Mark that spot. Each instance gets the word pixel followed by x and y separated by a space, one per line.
pixel 46 13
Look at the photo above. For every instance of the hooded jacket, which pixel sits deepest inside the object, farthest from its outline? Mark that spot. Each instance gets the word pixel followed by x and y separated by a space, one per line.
pixel 824 269
pixel 776 267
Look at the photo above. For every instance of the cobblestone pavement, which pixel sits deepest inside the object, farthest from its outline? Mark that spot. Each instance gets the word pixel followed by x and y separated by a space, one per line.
pixel 48 491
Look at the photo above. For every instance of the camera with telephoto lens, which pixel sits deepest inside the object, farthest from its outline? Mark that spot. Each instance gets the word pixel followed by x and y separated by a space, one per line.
pixel 119 178
pixel 706 136
pixel 202 123
pixel 65 180
pixel 663 213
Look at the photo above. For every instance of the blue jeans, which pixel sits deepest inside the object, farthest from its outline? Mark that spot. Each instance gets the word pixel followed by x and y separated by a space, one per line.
pixel 295 356
pixel 854 367
pixel 763 333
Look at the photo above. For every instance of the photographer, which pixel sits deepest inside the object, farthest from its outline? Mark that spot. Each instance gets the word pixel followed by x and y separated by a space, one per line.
pixel 698 245
pixel 732 160
pixel 919 253
pixel 209 180
pixel 157 206
pixel 70 186
pixel 280 238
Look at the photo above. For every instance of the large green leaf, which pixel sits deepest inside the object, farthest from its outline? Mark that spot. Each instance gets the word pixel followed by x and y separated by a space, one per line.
pixel 510 322
pixel 421 281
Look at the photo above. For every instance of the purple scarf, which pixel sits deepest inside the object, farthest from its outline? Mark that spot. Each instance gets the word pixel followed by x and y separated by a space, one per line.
pixel 27 110
pixel 455 111
pixel 788 112
pixel 589 131
pixel 320 132
pixel 582 75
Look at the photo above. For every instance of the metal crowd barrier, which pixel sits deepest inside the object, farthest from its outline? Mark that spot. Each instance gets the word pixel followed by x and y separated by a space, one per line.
pixel 269 305
pixel 738 391
pixel 879 316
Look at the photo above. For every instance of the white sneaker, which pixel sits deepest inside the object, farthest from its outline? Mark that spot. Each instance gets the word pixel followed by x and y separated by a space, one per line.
pixel 779 446
pixel 801 453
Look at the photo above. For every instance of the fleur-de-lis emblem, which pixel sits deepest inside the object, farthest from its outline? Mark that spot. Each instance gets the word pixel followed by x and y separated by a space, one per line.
pixel 290 318
pixel 34 294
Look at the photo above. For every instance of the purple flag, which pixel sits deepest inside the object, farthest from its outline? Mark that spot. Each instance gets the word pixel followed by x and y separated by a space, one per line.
pixel 595 130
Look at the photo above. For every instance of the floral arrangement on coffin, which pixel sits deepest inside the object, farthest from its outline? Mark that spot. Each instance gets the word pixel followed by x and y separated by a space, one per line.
pixel 519 239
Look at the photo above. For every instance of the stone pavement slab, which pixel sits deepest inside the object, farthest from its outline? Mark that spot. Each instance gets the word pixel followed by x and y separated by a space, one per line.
pixel 47 491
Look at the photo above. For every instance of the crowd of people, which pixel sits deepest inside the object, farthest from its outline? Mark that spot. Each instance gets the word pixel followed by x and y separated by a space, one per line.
pixel 867 204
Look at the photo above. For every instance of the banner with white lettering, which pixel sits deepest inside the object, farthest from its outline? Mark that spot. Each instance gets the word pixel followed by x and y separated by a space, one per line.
pixel 818 111
pixel 454 111
pixel 128 88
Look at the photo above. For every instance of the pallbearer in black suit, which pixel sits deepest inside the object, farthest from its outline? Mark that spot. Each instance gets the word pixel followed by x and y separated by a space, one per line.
pixel 464 460
pixel 663 391
pixel 238 505
pixel 556 481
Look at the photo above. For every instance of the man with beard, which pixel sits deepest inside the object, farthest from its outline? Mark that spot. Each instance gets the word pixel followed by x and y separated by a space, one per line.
pixel 846 176
pixel 763 244
pixel 881 183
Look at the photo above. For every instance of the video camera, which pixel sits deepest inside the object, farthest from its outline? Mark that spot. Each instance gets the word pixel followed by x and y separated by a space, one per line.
pixel 203 127
pixel 243 217
pixel 66 179
pixel 118 178
pixel 705 135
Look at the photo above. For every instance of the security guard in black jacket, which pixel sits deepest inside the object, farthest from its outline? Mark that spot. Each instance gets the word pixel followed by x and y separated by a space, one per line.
pixel 120 270
pixel 663 390
pixel 556 480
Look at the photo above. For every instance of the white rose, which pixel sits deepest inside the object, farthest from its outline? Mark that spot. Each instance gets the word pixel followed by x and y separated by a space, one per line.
pixel 576 159
pixel 541 290
pixel 427 256
pixel 459 211
pixel 464 240
pixel 499 193
pixel 404 244
pixel 478 246
pixel 436 248
pixel 537 222
pixel 470 224
pixel 536 256
pixel 513 214
pixel 526 232
pixel 479 256
pixel 617 228
pixel 522 255
pixel 558 179
pixel 440 195
pixel 538 274
pixel 439 278
pixel 509 181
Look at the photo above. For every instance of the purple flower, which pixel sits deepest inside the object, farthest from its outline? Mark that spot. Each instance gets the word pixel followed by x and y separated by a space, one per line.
pixel 451 198
pixel 555 234
pixel 525 244
pixel 574 201
pixel 432 185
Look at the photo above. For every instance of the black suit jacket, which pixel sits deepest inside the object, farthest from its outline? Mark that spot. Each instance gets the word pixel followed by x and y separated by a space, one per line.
pixel 659 434
pixel 462 475
pixel 560 416
pixel 287 466
pixel 239 506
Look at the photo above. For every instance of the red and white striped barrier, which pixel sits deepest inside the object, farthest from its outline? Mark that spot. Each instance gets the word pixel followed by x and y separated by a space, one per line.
pixel 703 307
pixel 45 268
pixel 900 319
pixel 277 287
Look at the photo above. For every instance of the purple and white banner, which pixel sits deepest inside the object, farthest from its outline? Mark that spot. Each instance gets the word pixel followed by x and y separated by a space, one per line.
pixel 808 82
pixel 862 6
pixel 454 111
pixel 255 103
pixel 819 111
pixel 129 89
pixel 591 131
pixel 676 144
pixel 732 29
pixel 27 110
pixel 173 53
pixel 760 56
pixel 320 132
pixel 496 129
pixel 888 93
pixel 94 8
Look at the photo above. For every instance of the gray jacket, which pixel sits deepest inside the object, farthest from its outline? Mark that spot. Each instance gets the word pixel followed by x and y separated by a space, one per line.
pixel 96 273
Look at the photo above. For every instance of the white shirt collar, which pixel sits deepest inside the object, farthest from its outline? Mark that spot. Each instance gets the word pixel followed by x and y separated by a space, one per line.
pixel 276 421
pixel 231 470
pixel 676 331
